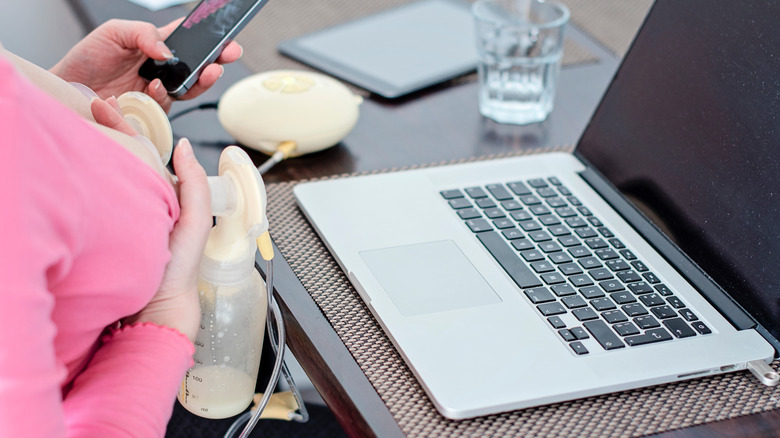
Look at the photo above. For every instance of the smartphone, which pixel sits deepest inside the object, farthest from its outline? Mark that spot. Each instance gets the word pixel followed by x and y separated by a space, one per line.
pixel 198 42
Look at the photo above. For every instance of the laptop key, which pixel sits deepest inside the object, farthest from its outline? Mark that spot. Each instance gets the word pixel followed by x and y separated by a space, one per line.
pixel 503 224
pixel 675 302
pixel 617 265
pixel 530 200
pixel 508 259
pixel 499 192
pixel 521 215
pixel 564 191
pixel 651 300
pixel 640 288
pixel 485 203
pixel 551 309
pixel 570 269
pixel 563 290
pixel 522 244
pixel 634 309
pixel 578 348
pixel 537 183
pixel 519 188
pixel 580 280
pixel 566 335
pixel 611 285
pixel 511 205
pixel 451 194
pixel 568 240
pixel 539 295
pixel 606 254
pixel 701 327
pixel 600 274
pixel 585 314
pixel 476 192
pixel 626 329
pixel 629 276
pixel 663 312
pixel 602 304
pixel 532 255
pixel 460 203
pixel 614 316
pixel 591 292
pixel 650 336
pixel 559 257
pixel 469 213
pixel 579 333
pixel 542 266
pixel 479 225
pixel 688 315
pixel 528 226
pixel 556 202
pixel 679 328
pixel 573 302
pixel 663 289
pixel 590 262
pixel 623 297
pixel 603 334
pixel 556 322
pixel 494 213
pixel 584 233
pixel 646 322
pixel 512 234
pixel 553 278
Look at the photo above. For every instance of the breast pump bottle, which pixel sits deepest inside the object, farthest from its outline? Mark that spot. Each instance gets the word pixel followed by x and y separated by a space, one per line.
pixel 234 298
pixel 232 294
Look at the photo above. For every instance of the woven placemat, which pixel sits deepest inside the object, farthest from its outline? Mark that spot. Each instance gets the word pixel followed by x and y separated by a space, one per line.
pixel 280 21
pixel 631 413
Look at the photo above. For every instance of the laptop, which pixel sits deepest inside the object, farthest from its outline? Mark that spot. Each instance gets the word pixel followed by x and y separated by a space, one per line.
pixel 647 256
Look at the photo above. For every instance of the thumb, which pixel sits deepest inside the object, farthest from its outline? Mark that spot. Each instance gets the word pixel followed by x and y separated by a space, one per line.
pixel 195 199
pixel 142 36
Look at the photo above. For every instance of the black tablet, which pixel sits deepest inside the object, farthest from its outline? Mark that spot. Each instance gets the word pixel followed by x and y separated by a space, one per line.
pixel 394 52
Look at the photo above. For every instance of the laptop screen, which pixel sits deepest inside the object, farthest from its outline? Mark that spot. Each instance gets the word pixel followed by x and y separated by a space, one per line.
pixel 689 130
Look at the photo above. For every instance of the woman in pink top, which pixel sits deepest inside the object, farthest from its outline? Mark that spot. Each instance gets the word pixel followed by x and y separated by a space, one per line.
pixel 99 302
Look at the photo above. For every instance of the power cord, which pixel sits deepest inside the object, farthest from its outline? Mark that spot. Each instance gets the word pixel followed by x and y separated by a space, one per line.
pixel 203 106
pixel 283 151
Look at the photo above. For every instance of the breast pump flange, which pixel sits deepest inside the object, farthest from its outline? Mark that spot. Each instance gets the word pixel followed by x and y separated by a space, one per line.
pixel 234 298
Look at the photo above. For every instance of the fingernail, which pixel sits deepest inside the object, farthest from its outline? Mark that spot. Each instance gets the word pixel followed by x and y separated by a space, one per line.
pixel 223 71
pixel 242 51
pixel 186 147
pixel 166 52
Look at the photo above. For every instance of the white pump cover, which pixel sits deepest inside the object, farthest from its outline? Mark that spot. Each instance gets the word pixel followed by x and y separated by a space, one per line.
pixel 310 109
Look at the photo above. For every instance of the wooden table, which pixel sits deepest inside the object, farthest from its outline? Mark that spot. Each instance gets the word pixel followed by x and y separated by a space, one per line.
pixel 436 125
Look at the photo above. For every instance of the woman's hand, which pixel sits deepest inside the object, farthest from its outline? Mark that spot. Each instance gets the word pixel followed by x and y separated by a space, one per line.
pixel 107 60
pixel 176 304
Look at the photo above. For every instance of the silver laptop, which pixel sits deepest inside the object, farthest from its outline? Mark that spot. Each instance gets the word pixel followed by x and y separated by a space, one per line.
pixel 648 256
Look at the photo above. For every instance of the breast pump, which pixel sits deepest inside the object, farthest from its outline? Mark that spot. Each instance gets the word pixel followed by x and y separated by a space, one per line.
pixel 234 298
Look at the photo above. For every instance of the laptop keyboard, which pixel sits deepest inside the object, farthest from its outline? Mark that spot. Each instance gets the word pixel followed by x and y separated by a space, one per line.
pixel 566 261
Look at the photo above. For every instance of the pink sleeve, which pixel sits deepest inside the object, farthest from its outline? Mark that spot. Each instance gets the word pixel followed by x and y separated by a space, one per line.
pixel 136 392
pixel 128 386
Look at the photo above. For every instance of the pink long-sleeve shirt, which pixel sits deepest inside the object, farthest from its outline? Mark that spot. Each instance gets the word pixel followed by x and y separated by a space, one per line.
pixel 83 243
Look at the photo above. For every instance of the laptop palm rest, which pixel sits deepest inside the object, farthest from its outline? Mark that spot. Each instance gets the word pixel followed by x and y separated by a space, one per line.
pixel 429 277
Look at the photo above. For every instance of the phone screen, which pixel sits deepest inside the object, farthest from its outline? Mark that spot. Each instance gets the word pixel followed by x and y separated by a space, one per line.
pixel 199 40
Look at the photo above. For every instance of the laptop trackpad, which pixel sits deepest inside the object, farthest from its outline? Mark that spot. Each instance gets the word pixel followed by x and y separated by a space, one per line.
pixel 429 277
